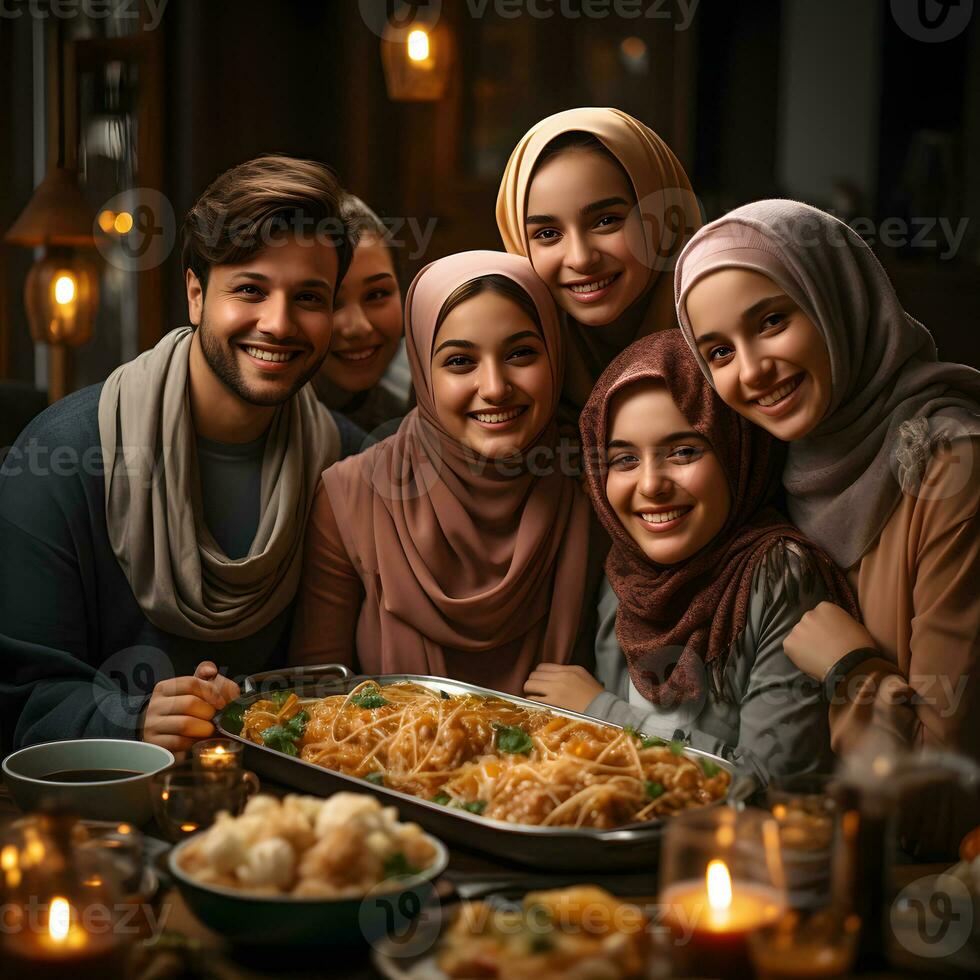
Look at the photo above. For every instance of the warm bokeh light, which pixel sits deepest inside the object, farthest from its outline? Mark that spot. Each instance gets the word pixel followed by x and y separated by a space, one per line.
pixel 633 47
pixel 8 858
pixel 188 828
pixel 106 220
pixel 719 883
pixel 123 222
pixel 418 45
pixel 64 289
pixel 59 919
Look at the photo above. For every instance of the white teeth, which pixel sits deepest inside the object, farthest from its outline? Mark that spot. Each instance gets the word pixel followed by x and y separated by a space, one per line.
pixel 781 392
pixel 591 287
pixel 499 416
pixel 360 355
pixel 667 515
pixel 268 355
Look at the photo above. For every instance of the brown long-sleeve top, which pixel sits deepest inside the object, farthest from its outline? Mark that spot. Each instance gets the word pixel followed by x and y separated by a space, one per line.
pixel 335 607
pixel 919 592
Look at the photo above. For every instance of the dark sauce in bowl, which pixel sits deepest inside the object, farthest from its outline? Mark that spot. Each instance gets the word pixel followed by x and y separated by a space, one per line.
pixel 90 775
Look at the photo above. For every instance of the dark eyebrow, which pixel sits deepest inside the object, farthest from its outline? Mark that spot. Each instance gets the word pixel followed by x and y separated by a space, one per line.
pixel 549 219
pixel 672 437
pixel 747 314
pixel 469 345
pixel 377 276
pixel 618 444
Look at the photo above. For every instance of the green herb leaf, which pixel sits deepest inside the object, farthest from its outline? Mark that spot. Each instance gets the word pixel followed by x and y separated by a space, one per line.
pixel 654 789
pixel 652 742
pixel 477 806
pixel 441 798
pixel 369 699
pixel 677 747
pixel 233 717
pixel 630 730
pixel 709 768
pixel 378 778
pixel 512 739
pixel 396 866
pixel 284 737
pixel 279 698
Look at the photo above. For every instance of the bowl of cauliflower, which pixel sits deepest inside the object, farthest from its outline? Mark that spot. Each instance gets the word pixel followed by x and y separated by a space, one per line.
pixel 308 871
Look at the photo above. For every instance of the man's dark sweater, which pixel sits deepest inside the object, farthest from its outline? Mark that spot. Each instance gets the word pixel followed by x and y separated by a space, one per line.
pixel 78 658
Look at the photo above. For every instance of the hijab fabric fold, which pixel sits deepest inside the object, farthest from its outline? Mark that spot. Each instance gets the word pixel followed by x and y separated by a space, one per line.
pixel 180 577
pixel 469 554
pixel 892 401
pixel 699 605
pixel 668 208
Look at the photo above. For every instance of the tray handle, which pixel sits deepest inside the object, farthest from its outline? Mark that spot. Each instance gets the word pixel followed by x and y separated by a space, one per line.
pixel 252 683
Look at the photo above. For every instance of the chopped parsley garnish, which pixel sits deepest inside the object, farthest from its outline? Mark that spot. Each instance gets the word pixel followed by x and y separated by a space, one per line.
pixel 512 739
pixel 677 747
pixel 378 778
pixel 630 730
pixel 654 789
pixel 279 698
pixel 477 806
pixel 284 737
pixel 397 866
pixel 652 742
pixel 369 699
pixel 441 798
pixel 709 768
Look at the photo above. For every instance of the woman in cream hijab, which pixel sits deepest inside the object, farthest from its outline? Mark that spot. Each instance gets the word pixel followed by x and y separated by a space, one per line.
pixel 601 207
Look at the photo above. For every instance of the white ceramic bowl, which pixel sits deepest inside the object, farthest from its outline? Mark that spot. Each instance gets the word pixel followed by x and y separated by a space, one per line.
pixel 118 799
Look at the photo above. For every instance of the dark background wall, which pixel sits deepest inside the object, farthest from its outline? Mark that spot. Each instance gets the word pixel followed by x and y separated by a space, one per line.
pixel 832 102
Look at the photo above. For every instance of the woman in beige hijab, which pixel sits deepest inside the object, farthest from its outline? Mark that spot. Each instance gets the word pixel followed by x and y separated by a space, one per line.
pixel 458 546
pixel 601 207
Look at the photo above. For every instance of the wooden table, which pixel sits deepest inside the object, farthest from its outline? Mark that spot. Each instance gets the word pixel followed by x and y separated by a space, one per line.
pixel 216 960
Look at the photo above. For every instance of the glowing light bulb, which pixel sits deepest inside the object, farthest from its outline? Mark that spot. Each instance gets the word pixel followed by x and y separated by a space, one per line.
pixel 123 222
pixel 418 45
pixel 59 919
pixel 107 220
pixel 64 290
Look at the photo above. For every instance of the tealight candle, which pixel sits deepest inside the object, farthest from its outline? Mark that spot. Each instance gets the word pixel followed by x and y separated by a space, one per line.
pixel 218 754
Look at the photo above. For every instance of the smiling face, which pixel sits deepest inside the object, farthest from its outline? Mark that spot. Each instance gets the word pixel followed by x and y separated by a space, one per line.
pixel 665 483
pixel 491 376
pixel 264 325
pixel 367 320
pixel 585 236
pixel 768 360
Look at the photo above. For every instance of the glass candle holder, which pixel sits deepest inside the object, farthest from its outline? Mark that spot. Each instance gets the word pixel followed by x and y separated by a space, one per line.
pixel 802 945
pixel 217 754
pixel 62 904
pixel 187 799
pixel 721 878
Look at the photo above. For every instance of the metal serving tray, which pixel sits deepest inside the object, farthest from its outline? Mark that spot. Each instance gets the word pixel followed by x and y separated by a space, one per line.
pixel 633 847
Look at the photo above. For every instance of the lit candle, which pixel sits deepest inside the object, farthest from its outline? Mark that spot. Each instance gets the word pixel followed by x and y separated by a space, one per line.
pixel 218 755
pixel 711 921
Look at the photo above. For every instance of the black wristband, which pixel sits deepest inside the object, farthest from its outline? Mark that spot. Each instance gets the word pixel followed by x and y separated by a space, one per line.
pixel 844 666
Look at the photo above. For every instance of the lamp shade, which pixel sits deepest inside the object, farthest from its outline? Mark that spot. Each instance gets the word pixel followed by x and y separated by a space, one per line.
pixel 56 214
pixel 62 297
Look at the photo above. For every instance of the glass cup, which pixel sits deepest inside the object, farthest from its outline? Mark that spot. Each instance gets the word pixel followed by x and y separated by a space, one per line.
pixel 800 945
pixel 217 754
pixel 187 799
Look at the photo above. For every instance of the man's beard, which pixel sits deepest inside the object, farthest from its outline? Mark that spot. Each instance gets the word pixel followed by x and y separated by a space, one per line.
pixel 221 358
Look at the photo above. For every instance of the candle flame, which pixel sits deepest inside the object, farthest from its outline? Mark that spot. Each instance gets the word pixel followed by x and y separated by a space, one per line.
pixel 188 828
pixel 124 828
pixel 59 917
pixel 219 750
pixel 719 883
pixel 418 45
pixel 64 289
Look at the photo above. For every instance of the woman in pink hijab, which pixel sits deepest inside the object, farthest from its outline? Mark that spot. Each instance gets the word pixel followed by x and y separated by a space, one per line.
pixel 458 547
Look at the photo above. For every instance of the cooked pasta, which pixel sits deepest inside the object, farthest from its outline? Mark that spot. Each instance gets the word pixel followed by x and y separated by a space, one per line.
pixel 488 755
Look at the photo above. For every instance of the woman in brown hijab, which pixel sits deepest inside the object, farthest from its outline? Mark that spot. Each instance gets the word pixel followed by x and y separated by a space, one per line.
pixel 601 207
pixel 705 577
pixel 458 546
